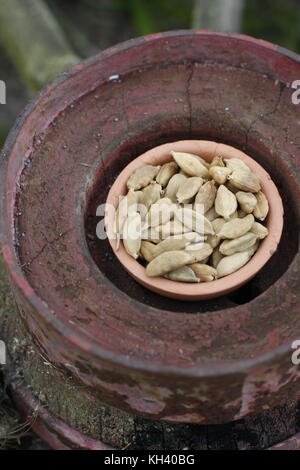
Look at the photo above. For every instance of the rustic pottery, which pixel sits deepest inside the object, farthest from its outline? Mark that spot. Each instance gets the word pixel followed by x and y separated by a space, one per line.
pixel 184 291
pixel 90 338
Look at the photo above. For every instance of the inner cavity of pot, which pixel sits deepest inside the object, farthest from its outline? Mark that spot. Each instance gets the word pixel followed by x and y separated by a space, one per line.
pixel 110 266
pixel 80 155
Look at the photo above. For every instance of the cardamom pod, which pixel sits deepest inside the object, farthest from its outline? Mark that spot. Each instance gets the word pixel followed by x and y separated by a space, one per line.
pixel 190 164
pixel 175 243
pixel 173 227
pixel 216 257
pixel 166 172
pixel 127 203
pixel 151 234
pixel 188 189
pixel 150 195
pixel 247 201
pixel 206 197
pixel 232 263
pixel 226 203
pixel 218 224
pixel 262 207
pixel 243 243
pixel 211 214
pixel 146 250
pixel 220 174
pixel 174 184
pixel 204 272
pixel 217 161
pixel 199 255
pixel 254 248
pixel 259 230
pixel 195 221
pixel 241 213
pixel 231 188
pixel 132 234
pixel 142 177
pixel 160 212
pixel 182 274
pixel 195 246
pixel 233 216
pixel 237 164
pixel 235 228
pixel 202 160
pixel 245 181
pixel 166 262
pixel 214 240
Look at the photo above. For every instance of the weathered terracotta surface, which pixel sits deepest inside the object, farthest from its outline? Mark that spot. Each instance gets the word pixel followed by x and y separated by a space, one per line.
pixel 129 348
pixel 65 417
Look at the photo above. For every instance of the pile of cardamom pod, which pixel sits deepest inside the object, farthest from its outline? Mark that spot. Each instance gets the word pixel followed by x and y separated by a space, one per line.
pixel 191 220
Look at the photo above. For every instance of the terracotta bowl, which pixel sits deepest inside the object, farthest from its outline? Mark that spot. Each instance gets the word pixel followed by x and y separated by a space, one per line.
pixel 206 290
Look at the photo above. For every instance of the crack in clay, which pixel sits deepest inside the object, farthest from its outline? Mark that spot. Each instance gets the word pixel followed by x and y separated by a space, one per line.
pixel 126 118
pixel 124 110
pixel 262 116
pixel 188 95
pixel 48 243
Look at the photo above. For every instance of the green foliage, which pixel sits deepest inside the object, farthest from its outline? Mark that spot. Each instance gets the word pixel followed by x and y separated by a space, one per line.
pixel 3 133
pixel 150 16
pixel 277 21
pixel 142 17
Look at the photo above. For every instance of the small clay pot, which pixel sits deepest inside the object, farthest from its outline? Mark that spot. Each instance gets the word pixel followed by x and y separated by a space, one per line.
pixel 197 291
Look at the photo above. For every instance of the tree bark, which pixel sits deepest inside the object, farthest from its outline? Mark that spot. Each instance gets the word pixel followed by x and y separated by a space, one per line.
pixel 218 15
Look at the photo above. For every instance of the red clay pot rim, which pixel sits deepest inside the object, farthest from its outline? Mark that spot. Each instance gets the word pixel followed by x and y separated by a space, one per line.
pixel 196 291
pixel 79 339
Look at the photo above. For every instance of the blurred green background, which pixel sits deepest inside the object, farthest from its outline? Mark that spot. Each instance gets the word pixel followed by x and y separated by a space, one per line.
pixel 41 38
